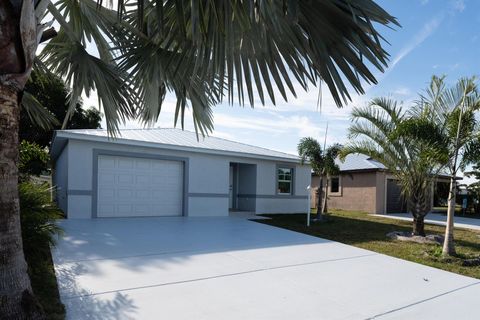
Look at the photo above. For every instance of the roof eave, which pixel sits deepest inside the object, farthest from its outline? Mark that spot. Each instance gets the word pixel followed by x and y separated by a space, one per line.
pixel 60 135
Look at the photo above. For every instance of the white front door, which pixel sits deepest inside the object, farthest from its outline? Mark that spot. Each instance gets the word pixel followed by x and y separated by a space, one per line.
pixel 134 187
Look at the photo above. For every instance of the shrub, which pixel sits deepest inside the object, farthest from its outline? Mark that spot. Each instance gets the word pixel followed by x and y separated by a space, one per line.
pixel 34 160
pixel 37 215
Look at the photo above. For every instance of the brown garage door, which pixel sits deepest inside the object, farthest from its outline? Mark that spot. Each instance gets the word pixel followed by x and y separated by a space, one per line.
pixel 395 202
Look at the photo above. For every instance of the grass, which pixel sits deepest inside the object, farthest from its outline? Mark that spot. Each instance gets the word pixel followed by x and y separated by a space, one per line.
pixel 368 232
pixel 44 282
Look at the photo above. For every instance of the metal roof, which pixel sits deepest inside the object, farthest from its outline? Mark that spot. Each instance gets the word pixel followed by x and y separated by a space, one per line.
pixel 171 138
pixel 359 162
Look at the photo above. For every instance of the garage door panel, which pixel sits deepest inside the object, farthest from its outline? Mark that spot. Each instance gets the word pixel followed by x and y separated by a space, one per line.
pixel 105 177
pixel 107 210
pixel 143 164
pixel 125 179
pixel 139 187
pixel 125 163
pixel 125 193
pixel 142 179
pixel 142 194
pixel 106 193
pixel 106 163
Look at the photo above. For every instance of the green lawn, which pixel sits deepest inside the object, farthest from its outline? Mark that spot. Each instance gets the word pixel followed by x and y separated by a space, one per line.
pixel 44 282
pixel 364 231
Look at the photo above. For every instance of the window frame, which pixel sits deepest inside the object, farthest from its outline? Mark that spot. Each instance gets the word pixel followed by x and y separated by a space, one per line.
pixel 292 180
pixel 339 192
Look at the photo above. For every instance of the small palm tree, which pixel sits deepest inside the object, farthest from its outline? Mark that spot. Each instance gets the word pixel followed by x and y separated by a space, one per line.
pixel 323 165
pixel 203 52
pixel 380 131
pixel 453 110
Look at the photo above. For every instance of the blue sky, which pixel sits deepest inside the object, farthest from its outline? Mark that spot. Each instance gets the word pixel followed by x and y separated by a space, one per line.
pixel 436 37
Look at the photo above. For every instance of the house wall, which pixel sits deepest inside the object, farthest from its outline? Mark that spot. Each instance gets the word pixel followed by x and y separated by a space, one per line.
pixel 358 192
pixel 59 179
pixel 270 202
pixel 208 181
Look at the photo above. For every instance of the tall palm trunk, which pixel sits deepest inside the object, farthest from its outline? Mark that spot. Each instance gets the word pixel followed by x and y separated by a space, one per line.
pixel 18 42
pixel 448 243
pixel 319 199
pixel 325 196
pixel 16 297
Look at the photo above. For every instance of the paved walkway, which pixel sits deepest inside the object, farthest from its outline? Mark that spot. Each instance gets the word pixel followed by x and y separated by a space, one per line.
pixel 231 268
pixel 438 219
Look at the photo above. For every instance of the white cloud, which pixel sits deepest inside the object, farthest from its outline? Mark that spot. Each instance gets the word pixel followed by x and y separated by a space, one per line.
pixel 459 5
pixel 454 66
pixel 427 30
pixel 402 91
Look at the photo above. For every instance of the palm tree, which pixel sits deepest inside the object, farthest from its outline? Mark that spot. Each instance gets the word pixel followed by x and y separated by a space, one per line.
pixel 453 110
pixel 380 131
pixel 323 165
pixel 204 52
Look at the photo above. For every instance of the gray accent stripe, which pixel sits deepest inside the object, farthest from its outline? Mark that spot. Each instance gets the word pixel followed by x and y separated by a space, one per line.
pixel 75 192
pixel 99 152
pixel 208 195
pixel 271 196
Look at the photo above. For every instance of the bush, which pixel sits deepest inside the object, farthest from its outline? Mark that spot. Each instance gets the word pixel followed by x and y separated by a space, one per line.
pixel 34 160
pixel 37 215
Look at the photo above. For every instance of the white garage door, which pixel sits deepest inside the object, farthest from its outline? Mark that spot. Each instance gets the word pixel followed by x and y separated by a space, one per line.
pixel 139 187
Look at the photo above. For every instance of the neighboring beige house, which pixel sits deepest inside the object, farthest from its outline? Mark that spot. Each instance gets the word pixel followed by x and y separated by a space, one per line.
pixel 362 185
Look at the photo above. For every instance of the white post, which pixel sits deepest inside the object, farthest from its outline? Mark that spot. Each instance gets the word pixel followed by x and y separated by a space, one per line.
pixel 308 206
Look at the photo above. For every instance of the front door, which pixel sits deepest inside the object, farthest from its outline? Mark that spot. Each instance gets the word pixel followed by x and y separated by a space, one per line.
pixel 230 190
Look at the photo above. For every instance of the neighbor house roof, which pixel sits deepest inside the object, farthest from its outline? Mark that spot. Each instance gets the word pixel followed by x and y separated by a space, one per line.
pixel 176 139
pixel 361 162
pixel 357 161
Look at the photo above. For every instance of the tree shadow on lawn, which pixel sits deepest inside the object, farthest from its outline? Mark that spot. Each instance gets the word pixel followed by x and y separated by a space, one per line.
pixel 339 228
pixel 365 231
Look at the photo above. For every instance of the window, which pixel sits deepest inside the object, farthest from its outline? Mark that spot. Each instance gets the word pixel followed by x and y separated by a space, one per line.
pixel 335 184
pixel 284 180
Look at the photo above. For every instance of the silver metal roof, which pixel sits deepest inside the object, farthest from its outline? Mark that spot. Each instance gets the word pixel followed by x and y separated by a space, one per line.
pixel 359 162
pixel 172 138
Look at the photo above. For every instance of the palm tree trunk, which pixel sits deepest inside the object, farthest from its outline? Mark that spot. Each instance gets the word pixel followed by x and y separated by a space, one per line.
pixel 419 226
pixel 418 208
pixel 319 199
pixel 325 196
pixel 16 297
pixel 448 243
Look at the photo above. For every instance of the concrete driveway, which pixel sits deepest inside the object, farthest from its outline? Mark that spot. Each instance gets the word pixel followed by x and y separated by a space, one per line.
pixel 231 268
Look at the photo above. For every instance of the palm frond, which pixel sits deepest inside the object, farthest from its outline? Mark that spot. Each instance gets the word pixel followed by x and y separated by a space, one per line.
pixel 86 73
pixel 37 113
pixel 209 51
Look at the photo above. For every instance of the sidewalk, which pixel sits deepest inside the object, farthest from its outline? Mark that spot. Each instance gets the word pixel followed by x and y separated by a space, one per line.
pixel 435 218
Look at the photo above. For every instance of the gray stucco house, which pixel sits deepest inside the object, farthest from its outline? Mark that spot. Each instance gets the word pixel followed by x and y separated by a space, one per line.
pixel 168 172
